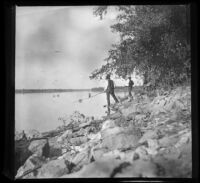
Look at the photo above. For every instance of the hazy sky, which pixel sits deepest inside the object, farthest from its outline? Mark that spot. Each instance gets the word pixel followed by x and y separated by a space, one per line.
pixel 58 47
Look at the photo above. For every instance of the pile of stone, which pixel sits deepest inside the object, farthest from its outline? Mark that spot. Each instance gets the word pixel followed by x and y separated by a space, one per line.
pixel 150 138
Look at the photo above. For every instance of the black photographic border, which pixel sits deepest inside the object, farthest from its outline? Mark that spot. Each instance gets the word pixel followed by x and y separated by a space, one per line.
pixel 8 88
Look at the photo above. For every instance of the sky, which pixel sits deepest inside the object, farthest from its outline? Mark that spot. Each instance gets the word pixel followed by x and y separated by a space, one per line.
pixel 59 47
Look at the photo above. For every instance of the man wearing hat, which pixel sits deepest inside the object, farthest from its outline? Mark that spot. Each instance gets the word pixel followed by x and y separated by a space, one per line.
pixel 130 86
pixel 109 89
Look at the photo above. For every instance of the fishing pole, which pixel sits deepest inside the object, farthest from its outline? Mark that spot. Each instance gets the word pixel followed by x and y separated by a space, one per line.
pixel 80 100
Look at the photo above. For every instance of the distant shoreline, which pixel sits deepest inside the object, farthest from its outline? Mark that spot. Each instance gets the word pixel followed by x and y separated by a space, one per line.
pixel 100 89
pixel 49 90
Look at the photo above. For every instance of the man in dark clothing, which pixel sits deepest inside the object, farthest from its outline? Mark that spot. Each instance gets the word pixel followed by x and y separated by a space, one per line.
pixel 109 89
pixel 130 86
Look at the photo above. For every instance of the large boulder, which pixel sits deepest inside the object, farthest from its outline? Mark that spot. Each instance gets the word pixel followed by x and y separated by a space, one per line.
pixel 40 147
pixel 22 153
pixel 53 169
pixel 31 163
pixel 55 147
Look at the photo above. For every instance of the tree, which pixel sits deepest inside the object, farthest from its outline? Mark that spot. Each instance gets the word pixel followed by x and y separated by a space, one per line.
pixel 155 39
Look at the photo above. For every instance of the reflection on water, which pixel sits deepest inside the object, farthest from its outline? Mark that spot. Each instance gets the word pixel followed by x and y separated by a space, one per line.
pixel 41 111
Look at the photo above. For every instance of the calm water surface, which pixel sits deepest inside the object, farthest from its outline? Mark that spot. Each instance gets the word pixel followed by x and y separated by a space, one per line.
pixel 40 111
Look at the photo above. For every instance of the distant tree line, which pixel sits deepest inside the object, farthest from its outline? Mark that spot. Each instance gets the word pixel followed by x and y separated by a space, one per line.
pixel 97 89
pixel 155 40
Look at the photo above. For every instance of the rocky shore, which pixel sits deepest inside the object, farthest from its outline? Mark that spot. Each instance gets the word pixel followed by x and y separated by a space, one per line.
pixel 145 137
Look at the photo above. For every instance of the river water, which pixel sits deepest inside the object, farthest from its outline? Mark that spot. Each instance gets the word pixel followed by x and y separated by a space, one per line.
pixel 41 111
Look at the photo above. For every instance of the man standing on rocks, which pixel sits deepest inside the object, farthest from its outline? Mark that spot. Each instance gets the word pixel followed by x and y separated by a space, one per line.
pixel 109 89
pixel 130 86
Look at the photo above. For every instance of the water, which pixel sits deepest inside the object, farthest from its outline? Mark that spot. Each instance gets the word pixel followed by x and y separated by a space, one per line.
pixel 40 111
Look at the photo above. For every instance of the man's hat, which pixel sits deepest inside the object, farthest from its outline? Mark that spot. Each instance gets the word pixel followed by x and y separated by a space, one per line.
pixel 108 76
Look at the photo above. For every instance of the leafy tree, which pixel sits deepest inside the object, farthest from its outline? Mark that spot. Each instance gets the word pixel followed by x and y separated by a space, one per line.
pixel 155 40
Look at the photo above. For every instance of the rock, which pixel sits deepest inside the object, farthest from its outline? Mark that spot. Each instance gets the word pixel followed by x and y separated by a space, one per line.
pixel 94 137
pixel 97 169
pixel 55 152
pixel 139 168
pixel 183 140
pixel 115 115
pixel 39 147
pixel 127 156
pixel 77 117
pixel 170 153
pixel 135 157
pixel 91 129
pixel 141 153
pixel 108 124
pixel 185 151
pixel 172 168
pixel 83 125
pixel 21 153
pixel 122 140
pixel 55 147
pixel 31 163
pixel 81 158
pixel 111 131
pixel 152 146
pixel 122 121
pixel 64 135
pixel 79 133
pixel 20 136
pixel 82 132
pixel 127 111
pixel 98 153
pixel 168 141
pixel 68 156
pixel 114 154
pixel 149 134
pixel 186 159
pixel 53 169
pixel 33 134
pixel 131 116
pixel 78 140
pixel 140 117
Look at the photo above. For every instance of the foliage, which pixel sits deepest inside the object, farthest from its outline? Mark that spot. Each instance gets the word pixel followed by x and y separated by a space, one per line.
pixel 155 39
